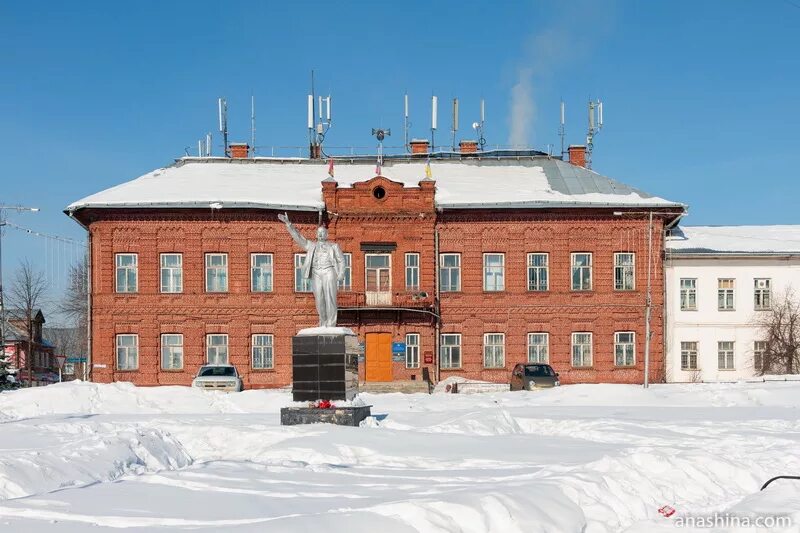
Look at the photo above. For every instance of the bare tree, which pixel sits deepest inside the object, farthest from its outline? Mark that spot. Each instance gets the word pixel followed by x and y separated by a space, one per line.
pixel 780 331
pixel 28 289
pixel 74 304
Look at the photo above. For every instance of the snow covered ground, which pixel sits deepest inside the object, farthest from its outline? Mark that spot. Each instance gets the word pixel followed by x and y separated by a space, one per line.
pixel 578 458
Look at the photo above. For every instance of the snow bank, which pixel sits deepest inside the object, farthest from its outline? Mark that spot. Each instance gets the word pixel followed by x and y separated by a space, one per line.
pixel 575 458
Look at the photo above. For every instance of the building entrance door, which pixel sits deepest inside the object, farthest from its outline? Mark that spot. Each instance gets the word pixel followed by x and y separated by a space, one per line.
pixel 378 357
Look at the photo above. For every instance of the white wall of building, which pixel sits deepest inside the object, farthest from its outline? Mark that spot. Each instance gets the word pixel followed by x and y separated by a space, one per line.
pixel 708 325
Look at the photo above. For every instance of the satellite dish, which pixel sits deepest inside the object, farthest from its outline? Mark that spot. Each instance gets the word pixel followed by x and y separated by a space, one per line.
pixel 475 126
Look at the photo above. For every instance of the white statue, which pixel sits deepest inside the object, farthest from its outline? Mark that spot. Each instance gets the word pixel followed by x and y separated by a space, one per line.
pixel 324 266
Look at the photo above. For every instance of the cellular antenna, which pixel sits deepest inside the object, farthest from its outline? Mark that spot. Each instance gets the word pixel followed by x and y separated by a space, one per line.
pixel 208 144
pixel 253 125
pixel 455 122
pixel 406 123
pixel 434 119
pixel 595 125
pixel 223 123
pixel 561 129
pixel 478 126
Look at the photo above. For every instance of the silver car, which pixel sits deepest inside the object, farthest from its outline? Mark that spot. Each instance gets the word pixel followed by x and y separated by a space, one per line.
pixel 218 377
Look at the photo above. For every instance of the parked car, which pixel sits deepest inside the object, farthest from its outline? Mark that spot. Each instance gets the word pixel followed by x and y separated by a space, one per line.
pixel 218 377
pixel 530 376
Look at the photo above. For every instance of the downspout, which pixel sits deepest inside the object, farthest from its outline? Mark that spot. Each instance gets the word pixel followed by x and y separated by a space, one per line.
pixel 87 368
pixel 436 303
pixel 665 338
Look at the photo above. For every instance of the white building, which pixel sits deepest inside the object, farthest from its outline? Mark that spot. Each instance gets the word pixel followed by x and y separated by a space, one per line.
pixel 718 280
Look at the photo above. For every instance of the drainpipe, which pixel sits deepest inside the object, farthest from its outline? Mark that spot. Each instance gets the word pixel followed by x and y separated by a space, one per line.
pixel 436 305
pixel 87 366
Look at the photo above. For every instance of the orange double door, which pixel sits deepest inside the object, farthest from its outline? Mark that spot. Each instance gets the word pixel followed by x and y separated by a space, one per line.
pixel 378 357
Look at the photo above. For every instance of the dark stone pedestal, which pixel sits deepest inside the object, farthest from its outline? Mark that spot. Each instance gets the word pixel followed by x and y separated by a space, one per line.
pixel 342 416
pixel 324 367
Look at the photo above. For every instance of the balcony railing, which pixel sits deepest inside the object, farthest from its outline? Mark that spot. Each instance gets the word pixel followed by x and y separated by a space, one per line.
pixel 411 300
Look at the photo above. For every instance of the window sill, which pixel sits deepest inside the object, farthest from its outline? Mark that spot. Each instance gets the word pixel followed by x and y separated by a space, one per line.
pixel 625 367
pixel 126 370
pixel 625 290
pixel 689 310
pixel 591 367
pixel 451 368
pixel 495 368
pixel 585 291
pixel 263 370
pixel 173 370
pixel 690 370
pixel 725 310
pixel 726 369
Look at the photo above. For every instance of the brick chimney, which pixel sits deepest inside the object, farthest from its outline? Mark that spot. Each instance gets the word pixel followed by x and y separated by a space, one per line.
pixel 419 146
pixel 577 155
pixel 239 150
pixel 468 147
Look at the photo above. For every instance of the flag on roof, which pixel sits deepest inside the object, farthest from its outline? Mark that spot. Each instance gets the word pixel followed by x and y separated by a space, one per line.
pixel 330 167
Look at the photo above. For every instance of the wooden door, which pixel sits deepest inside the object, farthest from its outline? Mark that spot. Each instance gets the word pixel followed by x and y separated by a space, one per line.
pixel 378 357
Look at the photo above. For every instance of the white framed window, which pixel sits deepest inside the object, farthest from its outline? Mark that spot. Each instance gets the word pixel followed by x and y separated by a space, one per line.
pixel 624 271
pixel 759 347
pixel 412 350
pixel 412 271
pixel 538 347
pixel 127 272
pixel 127 351
pixel 171 272
pixel 538 274
pixel 581 271
pixel 688 294
pixel 217 349
pixel 762 295
pixel 301 284
pixel 725 355
pixel 582 349
pixel 171 351
pixel 346 283
pixel 494 350
pixel 624 348
pixel 689 355
pixel 261 351
pixel 725 294
pixel 449 272
pixel 494 272
pixel 261 272
pixel 217 272
pixel 450 350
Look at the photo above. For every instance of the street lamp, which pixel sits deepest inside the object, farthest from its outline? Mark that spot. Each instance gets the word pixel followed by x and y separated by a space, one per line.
pixel 648 297
pixel 3 209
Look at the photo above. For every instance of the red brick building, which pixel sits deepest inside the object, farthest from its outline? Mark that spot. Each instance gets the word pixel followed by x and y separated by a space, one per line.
pixel 537 259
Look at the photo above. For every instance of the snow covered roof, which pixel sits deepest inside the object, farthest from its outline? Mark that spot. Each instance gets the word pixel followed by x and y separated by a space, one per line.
pixel 295 184
pixel 728 240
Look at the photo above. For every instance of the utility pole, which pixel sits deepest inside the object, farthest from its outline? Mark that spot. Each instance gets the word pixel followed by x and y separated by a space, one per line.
pixel 3 209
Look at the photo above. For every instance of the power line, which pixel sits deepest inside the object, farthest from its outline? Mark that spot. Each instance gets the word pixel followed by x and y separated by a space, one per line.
pixel 45 235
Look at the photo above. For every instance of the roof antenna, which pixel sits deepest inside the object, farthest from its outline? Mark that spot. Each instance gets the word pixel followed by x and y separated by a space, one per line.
pixel 478 126
pixel 434 120
pixel 595 125
pixel 223 123
pixel 406 123
pixel 208 144
pixel 253 125
pixel 455 122
pixel 561 129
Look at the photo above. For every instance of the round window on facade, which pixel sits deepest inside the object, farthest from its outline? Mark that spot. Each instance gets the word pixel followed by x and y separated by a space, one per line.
pixel 379 192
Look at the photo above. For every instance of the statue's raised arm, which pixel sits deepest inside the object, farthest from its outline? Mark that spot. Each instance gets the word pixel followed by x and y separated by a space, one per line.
pixel 299 239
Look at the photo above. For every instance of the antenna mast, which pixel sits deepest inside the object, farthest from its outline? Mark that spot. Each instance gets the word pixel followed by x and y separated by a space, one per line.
pixel 253 125
pixel 562 132
pixel 595 125
pixel 406 123
pixel 223 123
pixel 434 119
pixel 455 122
pixel 478 126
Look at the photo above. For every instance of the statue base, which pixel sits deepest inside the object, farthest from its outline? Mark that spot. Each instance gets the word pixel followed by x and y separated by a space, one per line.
pixel 324 365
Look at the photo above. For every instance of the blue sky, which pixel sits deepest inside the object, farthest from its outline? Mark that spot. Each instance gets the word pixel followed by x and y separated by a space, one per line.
pixel 701 98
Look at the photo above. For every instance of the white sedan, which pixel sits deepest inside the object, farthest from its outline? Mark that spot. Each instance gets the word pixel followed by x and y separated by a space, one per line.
pixel 218 377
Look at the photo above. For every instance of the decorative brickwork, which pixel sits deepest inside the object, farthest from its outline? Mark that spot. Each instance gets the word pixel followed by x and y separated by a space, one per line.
pixel 363 220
